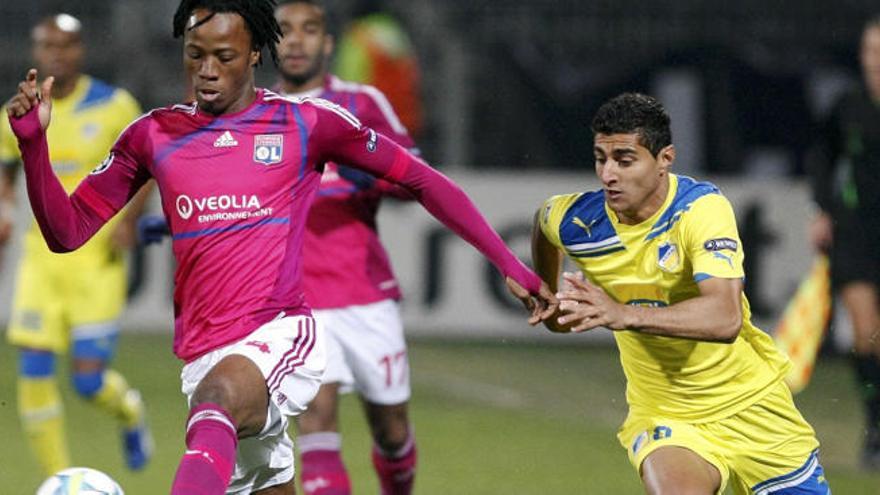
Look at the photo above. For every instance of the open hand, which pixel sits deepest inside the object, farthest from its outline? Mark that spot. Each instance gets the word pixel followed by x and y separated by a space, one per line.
pixel 585 306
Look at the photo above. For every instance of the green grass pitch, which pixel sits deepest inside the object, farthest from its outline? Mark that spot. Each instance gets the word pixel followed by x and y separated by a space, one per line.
pixel 491 418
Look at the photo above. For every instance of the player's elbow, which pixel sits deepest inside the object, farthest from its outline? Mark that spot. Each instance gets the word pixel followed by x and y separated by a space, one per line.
pixel 56 246
pixel 729 327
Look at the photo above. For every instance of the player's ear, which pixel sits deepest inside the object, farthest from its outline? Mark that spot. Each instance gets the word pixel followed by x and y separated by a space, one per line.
pixel 255 58
pixel 329 44
pixel 665 157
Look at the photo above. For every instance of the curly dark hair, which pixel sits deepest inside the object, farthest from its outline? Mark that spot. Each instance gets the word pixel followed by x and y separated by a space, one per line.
pixel 636 113
pixel 258 15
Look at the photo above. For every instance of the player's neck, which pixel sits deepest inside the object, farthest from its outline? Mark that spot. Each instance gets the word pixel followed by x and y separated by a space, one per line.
pixel 62 88
pixel 647 208
pixel 247 97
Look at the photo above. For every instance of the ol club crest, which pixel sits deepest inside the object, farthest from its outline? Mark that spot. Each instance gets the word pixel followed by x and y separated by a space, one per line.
pixel 268 148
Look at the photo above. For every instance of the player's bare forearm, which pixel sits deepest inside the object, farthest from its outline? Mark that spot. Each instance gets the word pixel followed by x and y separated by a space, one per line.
pixel 705 318
pixel 714 316
pixel 547 260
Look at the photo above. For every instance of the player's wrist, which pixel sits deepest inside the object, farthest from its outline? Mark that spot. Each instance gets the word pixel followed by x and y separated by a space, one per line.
pixel 631 317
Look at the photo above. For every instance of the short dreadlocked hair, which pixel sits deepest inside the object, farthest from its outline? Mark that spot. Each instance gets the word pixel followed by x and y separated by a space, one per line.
pixel 258 15
pixel 635 113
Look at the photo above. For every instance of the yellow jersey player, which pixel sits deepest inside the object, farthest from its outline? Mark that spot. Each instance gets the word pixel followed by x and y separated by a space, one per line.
pixel 661 265
pixel 72 300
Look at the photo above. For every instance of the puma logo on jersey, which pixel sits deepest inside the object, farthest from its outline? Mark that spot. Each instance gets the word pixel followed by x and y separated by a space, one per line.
pixel 587 227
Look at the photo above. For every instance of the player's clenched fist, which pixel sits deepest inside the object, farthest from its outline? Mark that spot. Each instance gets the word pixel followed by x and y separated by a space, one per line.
pixel 31 95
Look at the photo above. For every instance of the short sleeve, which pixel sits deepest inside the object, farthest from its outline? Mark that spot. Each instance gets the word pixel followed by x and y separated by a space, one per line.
pixel 711 239
pixel 551 215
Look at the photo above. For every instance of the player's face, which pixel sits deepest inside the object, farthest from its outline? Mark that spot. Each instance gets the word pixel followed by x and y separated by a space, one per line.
pixel 870 58
pixel 635 181
pixel 218 57
pixel 56 52
pixel 305 46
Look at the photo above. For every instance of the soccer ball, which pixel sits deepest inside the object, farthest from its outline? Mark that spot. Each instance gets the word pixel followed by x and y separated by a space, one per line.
pixel 79 481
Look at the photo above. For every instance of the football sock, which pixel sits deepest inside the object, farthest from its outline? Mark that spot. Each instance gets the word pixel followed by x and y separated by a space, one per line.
pixel 42 416
pixel 868 374
pixel 209 460
pixel 322 471
pixel 396 470
pixel 114 397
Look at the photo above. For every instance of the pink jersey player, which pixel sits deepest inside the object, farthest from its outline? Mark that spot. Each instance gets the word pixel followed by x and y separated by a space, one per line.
pixel 237 172
pixel 236 190
pixel 344 262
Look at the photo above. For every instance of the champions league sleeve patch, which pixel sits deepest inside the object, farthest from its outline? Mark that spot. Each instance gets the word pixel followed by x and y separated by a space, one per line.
pixel 720 244
pixel 104 165
pixel 371 142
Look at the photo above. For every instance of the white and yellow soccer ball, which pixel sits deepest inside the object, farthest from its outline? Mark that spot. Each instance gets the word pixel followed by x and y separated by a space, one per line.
pixel 79 481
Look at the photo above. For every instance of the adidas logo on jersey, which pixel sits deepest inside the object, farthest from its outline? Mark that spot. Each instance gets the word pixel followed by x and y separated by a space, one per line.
pixel 225 141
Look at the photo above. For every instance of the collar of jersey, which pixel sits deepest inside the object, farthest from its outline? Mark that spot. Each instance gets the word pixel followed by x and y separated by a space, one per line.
pixel 75 96
pixel 645 225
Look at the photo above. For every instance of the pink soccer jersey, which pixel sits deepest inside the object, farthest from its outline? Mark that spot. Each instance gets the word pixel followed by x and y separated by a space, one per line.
pixel 236 190
pixel 344 262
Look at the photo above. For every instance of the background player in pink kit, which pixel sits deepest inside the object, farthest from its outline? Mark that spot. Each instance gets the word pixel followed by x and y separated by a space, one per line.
pixel 237 171
pixel 347 277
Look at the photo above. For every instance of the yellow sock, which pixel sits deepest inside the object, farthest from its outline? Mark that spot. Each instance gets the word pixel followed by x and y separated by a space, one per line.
pixel 42 417
pixel 118 399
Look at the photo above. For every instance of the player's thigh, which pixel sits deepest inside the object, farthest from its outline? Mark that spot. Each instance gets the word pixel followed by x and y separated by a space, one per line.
pixel 643 435
pixel 322 413
pixel 770 446
pixel 375 349
pixel 37 316
pixel 680 471
pixel 338 370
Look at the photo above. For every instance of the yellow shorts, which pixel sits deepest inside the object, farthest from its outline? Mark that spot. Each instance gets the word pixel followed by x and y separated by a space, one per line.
pixel 56 296
pixel 763 442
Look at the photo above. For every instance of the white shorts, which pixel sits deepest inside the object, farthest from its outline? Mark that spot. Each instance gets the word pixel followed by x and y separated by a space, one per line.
pixel 290 353
pixel 366 351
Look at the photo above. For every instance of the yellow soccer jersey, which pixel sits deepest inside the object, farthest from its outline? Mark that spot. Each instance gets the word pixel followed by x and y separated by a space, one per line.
pixel 84 126
pixel 658 262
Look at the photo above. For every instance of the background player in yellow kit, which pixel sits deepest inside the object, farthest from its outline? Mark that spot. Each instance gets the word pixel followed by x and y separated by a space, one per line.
pixel 661 264
pixel 72 300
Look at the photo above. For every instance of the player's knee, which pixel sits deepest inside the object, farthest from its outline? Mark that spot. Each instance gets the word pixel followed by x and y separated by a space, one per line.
pixel 36 363
pixel 391 436
pixel 88 383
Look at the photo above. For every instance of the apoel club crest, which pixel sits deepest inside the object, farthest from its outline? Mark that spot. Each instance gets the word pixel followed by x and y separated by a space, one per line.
pixel 268 148
pixel 668 257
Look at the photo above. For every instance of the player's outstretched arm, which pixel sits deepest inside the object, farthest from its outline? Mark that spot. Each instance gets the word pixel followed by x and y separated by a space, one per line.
pixel 66 222
pixel 338 137
pixel 547 260
pixel 714 316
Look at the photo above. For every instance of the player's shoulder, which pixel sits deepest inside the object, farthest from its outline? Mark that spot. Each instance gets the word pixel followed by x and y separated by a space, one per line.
pixel 311 107
pixel 580 220
pixel 691 191
pixel 369 101
pixel 99 93
pixel 365 93
pixel 691 196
